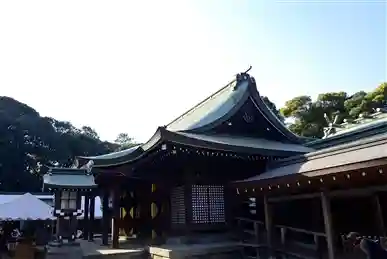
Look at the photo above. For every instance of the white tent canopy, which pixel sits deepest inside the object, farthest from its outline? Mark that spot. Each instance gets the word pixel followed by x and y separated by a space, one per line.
pixel 26 207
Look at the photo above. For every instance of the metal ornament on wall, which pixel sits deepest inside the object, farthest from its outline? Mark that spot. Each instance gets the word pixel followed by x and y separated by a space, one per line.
pixel 248 118
pixel 110 200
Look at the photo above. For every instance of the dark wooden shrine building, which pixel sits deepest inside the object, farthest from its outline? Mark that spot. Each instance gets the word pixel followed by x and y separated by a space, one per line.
pixel 313 200
pixel 176 182
pixel 68 186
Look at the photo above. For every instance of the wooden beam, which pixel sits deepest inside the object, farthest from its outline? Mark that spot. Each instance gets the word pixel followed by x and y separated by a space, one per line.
pixel 116 218
pixel 105 218
pixel 268 223
pixel 92 217
pixel 326 209
pixel 293 197
pixel 339 193
pixel 86 218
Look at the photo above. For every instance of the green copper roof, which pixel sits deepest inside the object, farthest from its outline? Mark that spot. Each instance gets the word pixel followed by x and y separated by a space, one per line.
pixel 363 122
pixel 239 101
pixel 211 109
pixel 363 127
pixel 114 155
pixel 68 178
pixel 257 144
pixel 218 108
pixel 332 158
pixel 218 142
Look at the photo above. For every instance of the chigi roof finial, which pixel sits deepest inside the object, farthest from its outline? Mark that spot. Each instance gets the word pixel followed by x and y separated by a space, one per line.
pixel 250 67
pixel 377 114
pixel 331 129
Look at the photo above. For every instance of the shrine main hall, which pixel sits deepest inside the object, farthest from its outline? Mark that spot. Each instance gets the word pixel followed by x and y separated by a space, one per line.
pixel 230 161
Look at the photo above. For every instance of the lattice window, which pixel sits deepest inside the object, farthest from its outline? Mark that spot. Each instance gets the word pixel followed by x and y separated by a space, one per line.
pixel 200 204
pixel 68 200
pixel 216 204
pixel 208 204
pixel 178 210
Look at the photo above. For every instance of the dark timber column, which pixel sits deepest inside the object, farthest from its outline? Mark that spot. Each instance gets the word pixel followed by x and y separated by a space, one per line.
pixel 92 217
pixel 189 209
pixel 57 206
pixel 379 215
pixel 326 209
pixel 86 218
pixel 268 223
pixel 116 217
pixel 105 218
pixel 145 211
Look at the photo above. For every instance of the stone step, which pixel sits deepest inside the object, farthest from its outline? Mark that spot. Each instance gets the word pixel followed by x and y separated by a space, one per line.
pixel 200 239
pixel 140 255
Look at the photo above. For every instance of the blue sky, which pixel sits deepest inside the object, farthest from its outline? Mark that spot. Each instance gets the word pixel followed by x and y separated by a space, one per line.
pixel 336 45
pixel 130 66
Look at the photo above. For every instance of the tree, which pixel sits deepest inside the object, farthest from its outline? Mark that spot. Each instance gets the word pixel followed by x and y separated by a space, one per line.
pixel 88 131
pixel 354 105
pixel 273 108
pixel 30 142
pixel 307 116
pixel 377 98
pixel 124 141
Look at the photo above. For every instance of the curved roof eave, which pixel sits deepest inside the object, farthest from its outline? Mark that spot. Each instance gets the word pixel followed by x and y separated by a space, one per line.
pixel 229 143
pixel 271 117
pixel 221 143
pixel 222 105
pixel 111 155
pixel 131 154
pixel 215 109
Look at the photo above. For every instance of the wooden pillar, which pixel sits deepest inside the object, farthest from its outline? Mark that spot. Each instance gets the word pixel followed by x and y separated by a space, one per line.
pixel 379 215
pixel 268 224
pixel 86 218
pixel 165 224
pixel 189 208
pixel 105 218
pixel 57 206
pixel 92 217
pixel 145 211
pixel 326 209
pixel 57 226
pixel 116 218
pixel 228 206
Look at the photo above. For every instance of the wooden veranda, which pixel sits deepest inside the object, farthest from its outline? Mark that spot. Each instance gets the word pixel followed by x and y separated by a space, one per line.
pixel 304 208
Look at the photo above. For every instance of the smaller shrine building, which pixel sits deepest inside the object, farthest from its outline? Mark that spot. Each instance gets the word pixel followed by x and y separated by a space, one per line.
pixel 337 189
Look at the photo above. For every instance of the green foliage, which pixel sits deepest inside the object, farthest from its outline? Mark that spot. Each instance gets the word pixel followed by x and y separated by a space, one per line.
pixel 308 116
pixel 272 107
pixel 124 141
pixel 30 142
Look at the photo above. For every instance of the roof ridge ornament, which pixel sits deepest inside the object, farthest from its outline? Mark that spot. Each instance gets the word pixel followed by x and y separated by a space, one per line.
pixel 88 166
pixel 364 118
pixel 250 67
pixel 242 76
pixel 331 129
pixel 75 163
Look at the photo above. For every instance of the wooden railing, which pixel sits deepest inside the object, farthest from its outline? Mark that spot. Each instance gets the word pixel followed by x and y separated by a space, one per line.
pixel 281 244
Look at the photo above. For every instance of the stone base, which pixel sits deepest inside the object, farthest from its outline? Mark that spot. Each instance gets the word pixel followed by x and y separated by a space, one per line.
pixel 197 251
pixel 61 243
pixel 94 250
pixel 200 239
